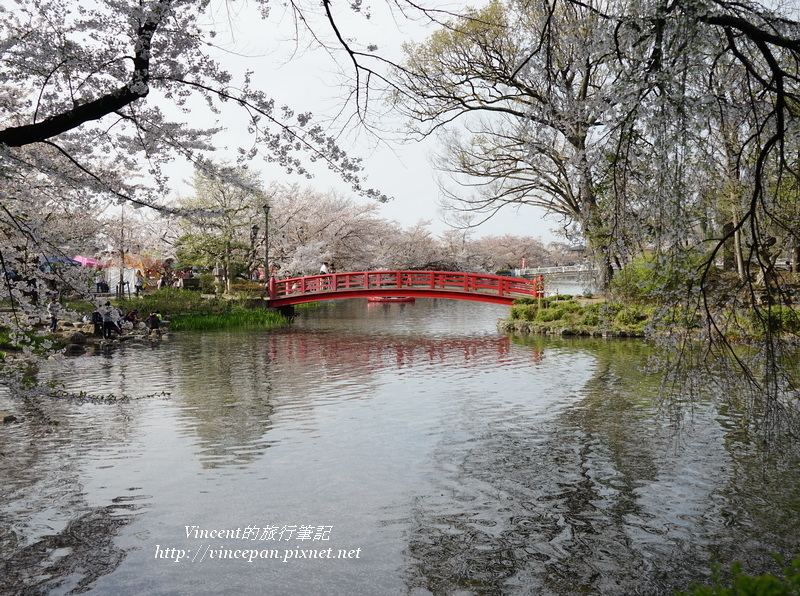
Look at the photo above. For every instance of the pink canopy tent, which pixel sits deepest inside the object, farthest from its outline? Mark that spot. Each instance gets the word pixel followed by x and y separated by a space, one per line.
pixel 88 261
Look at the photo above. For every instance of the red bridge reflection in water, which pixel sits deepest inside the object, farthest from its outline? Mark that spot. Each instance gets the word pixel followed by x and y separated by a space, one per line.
pixel 355 355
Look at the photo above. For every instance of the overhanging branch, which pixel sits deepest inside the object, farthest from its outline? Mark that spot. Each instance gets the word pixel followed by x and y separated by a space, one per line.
pixel 137 88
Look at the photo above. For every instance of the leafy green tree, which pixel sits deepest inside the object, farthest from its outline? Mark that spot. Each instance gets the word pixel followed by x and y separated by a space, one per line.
pixel 226 205
pixel 653 127
pixel 642 123
pixel 532 90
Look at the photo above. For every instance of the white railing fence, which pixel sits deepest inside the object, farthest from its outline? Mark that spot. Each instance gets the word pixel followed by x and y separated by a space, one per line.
pixel 545 270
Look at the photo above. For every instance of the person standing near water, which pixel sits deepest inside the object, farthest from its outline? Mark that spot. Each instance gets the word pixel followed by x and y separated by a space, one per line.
pixel 108 321
pixel 139 283
pixel 53 309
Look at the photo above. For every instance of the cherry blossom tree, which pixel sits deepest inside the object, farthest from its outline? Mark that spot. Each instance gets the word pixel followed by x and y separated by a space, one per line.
pixel 508 252
pixel 308 227
pixel 100 99
pixel 532 101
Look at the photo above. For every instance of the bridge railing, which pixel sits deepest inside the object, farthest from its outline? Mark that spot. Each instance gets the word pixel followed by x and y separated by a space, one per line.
pixel 412 280
pixel 530 271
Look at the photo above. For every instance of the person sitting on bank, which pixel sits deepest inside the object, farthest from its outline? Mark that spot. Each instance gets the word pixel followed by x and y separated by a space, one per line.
pixel 153 322
pixel 132 316
pixel 97 321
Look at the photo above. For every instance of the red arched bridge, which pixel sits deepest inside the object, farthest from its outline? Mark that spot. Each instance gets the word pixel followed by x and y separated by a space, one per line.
pixel 418 284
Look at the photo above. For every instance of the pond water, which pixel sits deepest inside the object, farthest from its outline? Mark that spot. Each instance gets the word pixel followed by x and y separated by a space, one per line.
pixel 382 449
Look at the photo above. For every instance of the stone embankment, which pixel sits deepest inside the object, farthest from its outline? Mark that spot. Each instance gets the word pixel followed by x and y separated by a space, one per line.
pixel 534 328
pixel 78 337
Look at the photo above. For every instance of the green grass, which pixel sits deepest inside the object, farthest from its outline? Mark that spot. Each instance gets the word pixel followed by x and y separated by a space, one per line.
pixel 236 319
pixel 187 309
pixel 175 300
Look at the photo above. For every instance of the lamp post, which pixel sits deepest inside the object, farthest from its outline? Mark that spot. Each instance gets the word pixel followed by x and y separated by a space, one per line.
pixel 267 274
pixel 121 284
pixel 253 238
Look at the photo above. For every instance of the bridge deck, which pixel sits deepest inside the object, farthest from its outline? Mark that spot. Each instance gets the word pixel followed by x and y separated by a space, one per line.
pixel 419 284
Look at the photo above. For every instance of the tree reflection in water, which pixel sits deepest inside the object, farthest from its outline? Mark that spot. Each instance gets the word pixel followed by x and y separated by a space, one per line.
pixel 608 496
pixel 461 460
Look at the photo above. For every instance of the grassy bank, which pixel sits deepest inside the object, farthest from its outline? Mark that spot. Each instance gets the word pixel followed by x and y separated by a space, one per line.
pixel 236 319
pixel 191 310
pixel 565 315
pixel 169 301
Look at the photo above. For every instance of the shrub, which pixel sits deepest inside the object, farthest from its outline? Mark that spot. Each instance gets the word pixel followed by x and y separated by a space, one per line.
pixel 206 283
pixel 570 314
pixel 629 316
pixel 524 312
pixel 650 277
pixel 591 319
pixel 247 285
pixel 547 315
pixel 571 306
pixel 607 310
pixel 776 319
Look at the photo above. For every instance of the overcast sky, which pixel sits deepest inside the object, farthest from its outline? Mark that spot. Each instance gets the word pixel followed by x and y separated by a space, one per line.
pixel 310 80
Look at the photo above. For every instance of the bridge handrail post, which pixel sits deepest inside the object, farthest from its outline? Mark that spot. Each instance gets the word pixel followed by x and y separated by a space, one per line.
pixel 271 287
